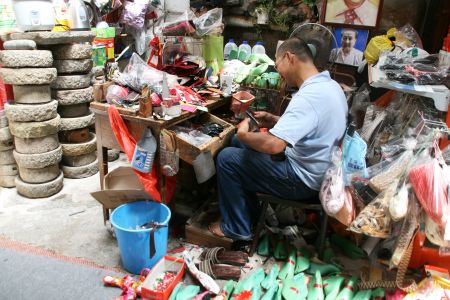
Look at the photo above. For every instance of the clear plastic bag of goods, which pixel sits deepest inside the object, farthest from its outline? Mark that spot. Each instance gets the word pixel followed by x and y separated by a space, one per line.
pixel 208 23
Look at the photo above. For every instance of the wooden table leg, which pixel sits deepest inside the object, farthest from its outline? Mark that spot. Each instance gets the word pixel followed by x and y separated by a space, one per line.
pixel 102 156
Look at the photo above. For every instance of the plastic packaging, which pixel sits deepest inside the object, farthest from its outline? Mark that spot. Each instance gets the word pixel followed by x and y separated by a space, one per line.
pixel 244 51
pixel 332 192
pixel 116 93
pixel 181 26
pixel 137 74
pixel 209 22
pixel 134 13
pixel 230 50
pixel 258 48
pixel 398 206
pixel 144 152
pixel 374 220
pixel 430 185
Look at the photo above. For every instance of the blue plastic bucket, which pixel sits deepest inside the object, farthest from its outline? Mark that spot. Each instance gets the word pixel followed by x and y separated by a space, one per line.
pixel 134 244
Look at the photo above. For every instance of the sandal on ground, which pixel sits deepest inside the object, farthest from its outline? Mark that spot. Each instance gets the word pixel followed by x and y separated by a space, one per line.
pixel 220 271
pixel 332 286
pixel 295 288
pixel 315 287
pixel 270 293
pixel 219 255
pixel 287 272
pixel 271 278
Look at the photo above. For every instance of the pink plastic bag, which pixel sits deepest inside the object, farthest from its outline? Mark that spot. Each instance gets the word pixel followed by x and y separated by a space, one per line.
pixel 429 183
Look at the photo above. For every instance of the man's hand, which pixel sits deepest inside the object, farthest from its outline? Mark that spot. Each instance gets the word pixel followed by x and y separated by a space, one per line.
pixel 265 119
pixel 243 129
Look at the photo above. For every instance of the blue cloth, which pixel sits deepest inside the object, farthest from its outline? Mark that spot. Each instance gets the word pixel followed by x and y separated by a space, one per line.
pixel 314 122
pixel 241 173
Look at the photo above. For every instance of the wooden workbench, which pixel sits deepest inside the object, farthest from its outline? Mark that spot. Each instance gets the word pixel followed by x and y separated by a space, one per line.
pixel 136 126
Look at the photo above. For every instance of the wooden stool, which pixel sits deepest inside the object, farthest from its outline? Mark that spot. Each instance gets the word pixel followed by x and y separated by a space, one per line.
pixel 265 199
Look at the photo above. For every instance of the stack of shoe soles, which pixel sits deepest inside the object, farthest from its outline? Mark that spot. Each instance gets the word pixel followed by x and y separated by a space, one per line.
pixel 222 264
pixel 8 167
pixel 73 91
pixel 33 119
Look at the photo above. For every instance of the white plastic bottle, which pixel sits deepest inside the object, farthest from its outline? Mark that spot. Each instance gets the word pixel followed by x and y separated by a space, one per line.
pixel 244 51
pixel 258 48
pixel 144 153
pixel 230 50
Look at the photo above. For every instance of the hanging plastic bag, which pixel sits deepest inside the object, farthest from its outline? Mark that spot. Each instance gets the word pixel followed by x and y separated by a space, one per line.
pixel 394 170
pixel 398 206
pixel 354 153
pixel 431 187
pixel 209 23
pixel 134 13
pixel 347 213
pixel 374 220
pixel 127 144
pixel 332 192
pixel 181 26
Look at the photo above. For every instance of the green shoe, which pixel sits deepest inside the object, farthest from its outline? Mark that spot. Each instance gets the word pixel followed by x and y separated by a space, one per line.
pixel 347 247
pixel 270 293
pixel 287 272
pixel 279 295
pixel 315 288
pixel 227 290
pixel 176 289
pixel 264 246
pixel 271 278
pixel 280 252
pixel 188 292
pixel 324 269
pixel 302 262
pixel 295 288
pixel 253 280
pixel 363 295
pixel 349 290
pixel 332 286
pixel 378 294
pixel 256 293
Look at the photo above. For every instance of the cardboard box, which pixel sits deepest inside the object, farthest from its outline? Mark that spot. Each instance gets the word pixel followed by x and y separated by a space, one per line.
pixel 189 152
pixel 121 186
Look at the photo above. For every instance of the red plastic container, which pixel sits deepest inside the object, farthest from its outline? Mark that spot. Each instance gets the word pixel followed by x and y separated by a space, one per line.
pixel 245 98
pixel 167 263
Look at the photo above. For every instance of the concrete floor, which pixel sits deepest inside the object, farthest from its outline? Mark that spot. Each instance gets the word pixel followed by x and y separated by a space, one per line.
pixel 70 222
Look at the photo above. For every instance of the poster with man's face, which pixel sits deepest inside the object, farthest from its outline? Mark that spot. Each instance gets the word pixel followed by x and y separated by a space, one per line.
pixel 350 47
pixel 352 12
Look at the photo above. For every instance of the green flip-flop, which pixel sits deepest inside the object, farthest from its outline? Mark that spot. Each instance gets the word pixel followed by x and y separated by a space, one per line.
pixel 270 293
pixel 315 288
pixel 188 292
pixel 280 252
pixel 256 293
pixel 332 286
pixel 378 294
pixel 295 288
pixel 349 290
pixel 263 246
pixel 302 262
pixel 271 278
pixel 363 295
pixel 324 269
pixel 347 247
pixel 176 289
pixel 227 290
pixel 279 295
pixel 253 280
pixel 287 272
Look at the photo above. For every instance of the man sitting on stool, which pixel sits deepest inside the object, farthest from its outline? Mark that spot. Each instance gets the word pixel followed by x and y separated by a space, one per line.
pixel 312 124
